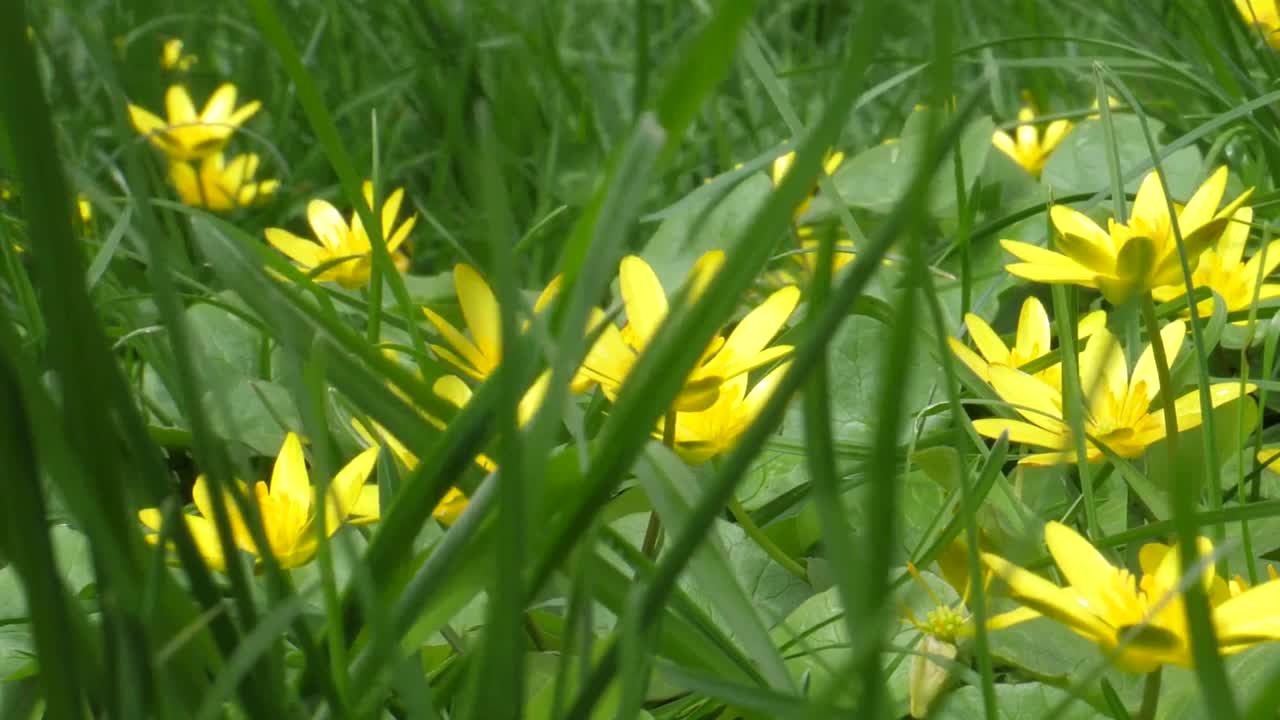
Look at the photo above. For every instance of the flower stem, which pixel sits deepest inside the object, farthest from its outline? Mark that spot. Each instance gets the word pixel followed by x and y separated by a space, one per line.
pixel 1150 694
pixel 653 532
pixel 765 542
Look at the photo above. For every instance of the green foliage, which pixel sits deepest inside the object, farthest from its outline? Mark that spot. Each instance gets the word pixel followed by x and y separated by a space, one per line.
pixel 595 573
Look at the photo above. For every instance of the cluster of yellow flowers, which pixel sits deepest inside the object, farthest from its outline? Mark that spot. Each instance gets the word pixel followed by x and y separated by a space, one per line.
pixel 1138 620
pixel 193 143
pixel 712 410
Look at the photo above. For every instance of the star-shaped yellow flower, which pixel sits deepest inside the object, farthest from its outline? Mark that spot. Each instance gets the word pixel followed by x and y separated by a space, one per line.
pixel 1264 15
pixel 1118 412
pixel 344 250
pixel 1142 620
pixel 287 509
pixel 1027 146
pixel 479 355
pixel 1032 341
pixel 611 359
pixel 1132 258
pixel 186 135
pixel 702 435
pixel 1223 270
pixel 220 185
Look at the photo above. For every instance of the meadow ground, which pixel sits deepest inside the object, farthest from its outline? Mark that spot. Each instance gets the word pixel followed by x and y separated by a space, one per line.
pixel 652 359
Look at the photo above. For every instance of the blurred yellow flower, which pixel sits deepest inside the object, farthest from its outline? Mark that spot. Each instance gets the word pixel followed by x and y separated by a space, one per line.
pixel 344 251
pixel 1222 269
pixel 220 185
pixel 702 435
pixel 287 509
pixel 186 135
pixel 1132 258
pixel 614 354
pixel 1118 412
pixel 172 58
pixel 453 502
pixel 1032 341
pixel 479 355
pixel 782 165
pixel 1141 620
pixel 85 208
pixel 1264 15
pixel 1027 146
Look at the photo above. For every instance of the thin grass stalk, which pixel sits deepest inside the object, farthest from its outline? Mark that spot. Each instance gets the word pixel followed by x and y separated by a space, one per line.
pixel 502 662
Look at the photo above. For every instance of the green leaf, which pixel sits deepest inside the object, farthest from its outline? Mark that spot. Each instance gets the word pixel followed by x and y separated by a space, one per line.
pixel 707 220
pixel 877 177
pixel 1079 164
pixel 1024 701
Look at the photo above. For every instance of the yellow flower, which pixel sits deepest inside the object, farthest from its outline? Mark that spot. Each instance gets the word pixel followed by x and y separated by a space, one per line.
pixel 454 501
pixel 171 57
pixel 85 208
pixel 1033 340
pixel 1118 412
pixel 1027 146
pixel 1113 103
pixel 1264 15
pixel 611 359
pixel 344 250
pixel 479 355
pixel 782 165
pixel 220 185
pixel 186 135
pixel 702 435
pixel 1131 258
pixel 1141 620
pixel 807 259
pixel 946 625
pixel 1222 269
pixel 287 509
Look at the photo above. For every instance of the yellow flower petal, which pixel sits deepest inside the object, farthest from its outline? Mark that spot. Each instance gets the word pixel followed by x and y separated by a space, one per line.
pixel 451 388
pixel 1103 373
pixel 480 310
pixel 1203 205
pixel 367 508
pixel 220 104
pixel 178 106
pixel 1034 337
pixel 644 298
pixel 754 332
pixel 328 225
pixel 1020 432
pixel 1144 371
pixel 1045 266
pixel 970 358
pixel 289 476
pixel 1151 207
pixel 345 488
pixel 1031 397
pixel 1231 245
pixel 1050 600
pixel 304 252
pixel 987 341
pixel 473 361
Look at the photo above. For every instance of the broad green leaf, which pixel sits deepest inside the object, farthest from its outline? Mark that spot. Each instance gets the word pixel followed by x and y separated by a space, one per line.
pixel 1079 164
pixel 1022 701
